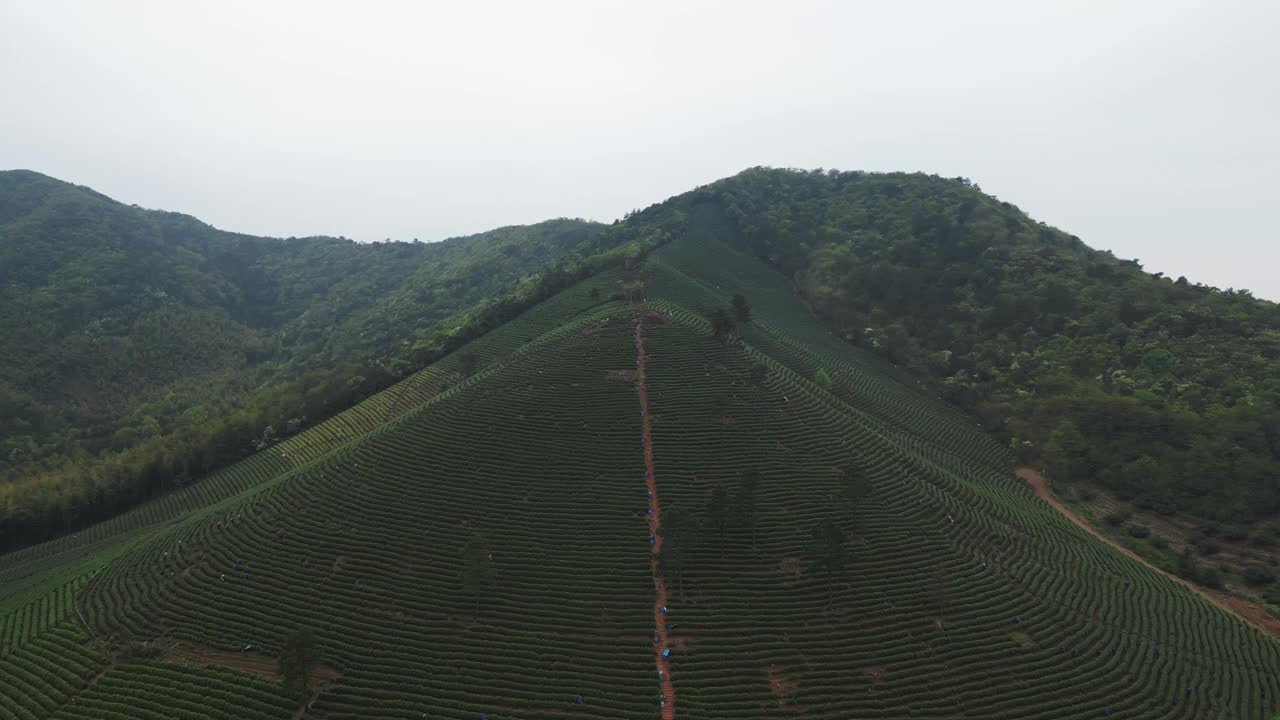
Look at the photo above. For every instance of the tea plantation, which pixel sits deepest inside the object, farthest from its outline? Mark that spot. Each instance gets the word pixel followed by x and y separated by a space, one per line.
pixel 475 543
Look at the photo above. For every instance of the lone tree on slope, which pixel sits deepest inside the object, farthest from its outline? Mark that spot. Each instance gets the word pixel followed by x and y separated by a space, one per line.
pixel 823 379
pixel 298 657
pixel 468 363
pixel 741 309
pixel 723 325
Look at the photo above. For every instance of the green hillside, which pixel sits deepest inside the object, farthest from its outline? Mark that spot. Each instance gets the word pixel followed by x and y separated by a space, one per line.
pixel 1165 392
pixel 144 349
pixel 836 543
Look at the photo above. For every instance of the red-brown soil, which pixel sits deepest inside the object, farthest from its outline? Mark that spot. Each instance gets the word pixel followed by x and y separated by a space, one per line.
pixel 252 663
pixel 628 376
pixel 655 521
pixel 875 672
pixel 781 688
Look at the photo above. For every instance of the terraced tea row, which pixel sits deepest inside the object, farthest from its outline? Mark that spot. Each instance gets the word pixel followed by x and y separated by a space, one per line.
pixel 476 541
pixel 703 276
pixel 539 457
pixel 951 605
pixel 30 575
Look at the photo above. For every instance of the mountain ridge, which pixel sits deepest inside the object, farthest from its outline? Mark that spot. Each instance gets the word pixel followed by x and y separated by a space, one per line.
pixel 484 549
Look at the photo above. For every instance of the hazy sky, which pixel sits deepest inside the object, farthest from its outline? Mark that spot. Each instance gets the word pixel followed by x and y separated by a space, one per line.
pixel 1150 129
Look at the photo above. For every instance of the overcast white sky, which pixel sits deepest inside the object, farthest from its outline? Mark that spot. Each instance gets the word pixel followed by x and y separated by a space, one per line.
pixel 1146 128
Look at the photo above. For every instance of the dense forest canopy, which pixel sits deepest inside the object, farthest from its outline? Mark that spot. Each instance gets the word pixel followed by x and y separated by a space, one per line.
pixel 144 348
pixel 1163 390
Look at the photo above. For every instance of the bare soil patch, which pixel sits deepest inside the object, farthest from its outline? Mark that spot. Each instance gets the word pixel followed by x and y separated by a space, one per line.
pixel 683 642
pixel 781 688
pixel 250 662
pixel 595 327
pixel 1252 613
pixel 876 673
pixel 651 317
pixel 1022 640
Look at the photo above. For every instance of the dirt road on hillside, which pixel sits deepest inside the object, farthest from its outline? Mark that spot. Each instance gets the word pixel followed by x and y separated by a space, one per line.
pixel 1243 609
pixel 659 582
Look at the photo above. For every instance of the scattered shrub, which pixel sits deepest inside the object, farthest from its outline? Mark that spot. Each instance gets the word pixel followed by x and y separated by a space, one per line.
pixel 1207 546
pixel 1118 518
pixel 1211 578
pixel 1257 575
pixel 1236 534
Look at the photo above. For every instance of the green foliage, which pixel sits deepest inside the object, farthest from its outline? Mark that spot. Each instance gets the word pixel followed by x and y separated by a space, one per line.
pixel 298 657
pixel 1191 569
pixel 1259 575
pixel 723 326
pixel 146 349
pixel 823 379
pixel 741 309
pixel 361 530
pixel 1118 518
pixel 1166 392
pixel 468 364
pixel 1067 452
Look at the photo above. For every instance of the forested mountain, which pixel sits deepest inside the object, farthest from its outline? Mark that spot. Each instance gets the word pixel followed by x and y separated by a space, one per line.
pixel 1163 390
pixel 142 348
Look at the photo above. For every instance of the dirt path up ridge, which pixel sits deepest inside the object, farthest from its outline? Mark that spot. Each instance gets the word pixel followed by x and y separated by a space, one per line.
pixel 662 642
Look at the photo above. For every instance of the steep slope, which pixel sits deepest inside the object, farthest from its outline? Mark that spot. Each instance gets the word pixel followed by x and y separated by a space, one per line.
pixel 145 348
pixel 481 544
pixel 1165 392
pixel 960 596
